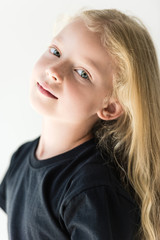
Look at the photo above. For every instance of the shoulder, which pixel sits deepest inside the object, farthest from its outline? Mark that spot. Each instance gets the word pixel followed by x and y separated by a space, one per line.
pixel 21 151
pixel 24 147
pixel 95 174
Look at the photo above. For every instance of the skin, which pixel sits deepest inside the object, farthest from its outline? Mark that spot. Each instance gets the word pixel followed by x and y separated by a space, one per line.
pixel 83 89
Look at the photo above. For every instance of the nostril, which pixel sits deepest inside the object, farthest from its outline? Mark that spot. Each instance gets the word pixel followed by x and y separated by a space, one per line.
pixel 54 78
pixel 53 75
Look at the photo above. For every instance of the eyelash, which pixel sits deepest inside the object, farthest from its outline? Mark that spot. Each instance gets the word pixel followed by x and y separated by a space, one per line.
pixel 85 72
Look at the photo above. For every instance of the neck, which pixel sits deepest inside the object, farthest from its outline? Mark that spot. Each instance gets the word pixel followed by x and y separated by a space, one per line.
pixel 57 138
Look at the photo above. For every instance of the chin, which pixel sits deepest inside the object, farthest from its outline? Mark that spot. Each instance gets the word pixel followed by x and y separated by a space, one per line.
pixel 41 107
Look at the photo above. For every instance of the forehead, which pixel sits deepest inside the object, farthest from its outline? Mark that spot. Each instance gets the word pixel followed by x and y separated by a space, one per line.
pixel 77 33
pixel 85 45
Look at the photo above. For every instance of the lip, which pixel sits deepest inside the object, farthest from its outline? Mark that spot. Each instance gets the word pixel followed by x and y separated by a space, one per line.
pixel 44 89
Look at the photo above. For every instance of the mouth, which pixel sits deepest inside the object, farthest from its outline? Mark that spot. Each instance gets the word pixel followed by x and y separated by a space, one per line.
pixel 44 91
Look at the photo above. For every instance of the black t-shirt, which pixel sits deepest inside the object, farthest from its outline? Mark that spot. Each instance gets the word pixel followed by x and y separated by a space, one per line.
pixel 74 195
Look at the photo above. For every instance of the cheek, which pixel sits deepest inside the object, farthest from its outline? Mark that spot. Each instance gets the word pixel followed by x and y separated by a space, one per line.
pixel 80 103
pixel 37 69
pixel 38 72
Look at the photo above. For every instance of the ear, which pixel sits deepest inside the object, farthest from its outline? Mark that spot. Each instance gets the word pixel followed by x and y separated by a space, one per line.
pixel 111 111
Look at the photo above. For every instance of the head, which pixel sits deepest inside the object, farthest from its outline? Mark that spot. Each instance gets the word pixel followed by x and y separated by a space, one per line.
pixel 78 70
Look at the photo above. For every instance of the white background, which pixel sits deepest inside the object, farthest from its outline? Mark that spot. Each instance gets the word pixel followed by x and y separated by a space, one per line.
pixel 26 28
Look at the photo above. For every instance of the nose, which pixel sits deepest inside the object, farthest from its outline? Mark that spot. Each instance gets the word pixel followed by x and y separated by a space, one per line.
pixel 54 75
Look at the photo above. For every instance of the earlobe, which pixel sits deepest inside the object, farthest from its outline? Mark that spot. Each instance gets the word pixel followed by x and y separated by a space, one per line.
pixel 111 112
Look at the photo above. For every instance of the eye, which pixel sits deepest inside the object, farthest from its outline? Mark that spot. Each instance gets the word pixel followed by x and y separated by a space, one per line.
pixel 83 74
pixel 54 51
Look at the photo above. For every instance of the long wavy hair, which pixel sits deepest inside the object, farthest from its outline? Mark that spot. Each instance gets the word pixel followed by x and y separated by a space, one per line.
pixel 134 138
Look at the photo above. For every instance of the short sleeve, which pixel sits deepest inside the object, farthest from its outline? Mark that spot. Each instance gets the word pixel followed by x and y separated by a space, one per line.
pixel 3 184
pixel 100 214
pixel 3 192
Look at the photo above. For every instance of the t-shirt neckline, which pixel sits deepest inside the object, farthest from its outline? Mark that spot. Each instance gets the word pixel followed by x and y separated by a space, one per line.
pixel 68 155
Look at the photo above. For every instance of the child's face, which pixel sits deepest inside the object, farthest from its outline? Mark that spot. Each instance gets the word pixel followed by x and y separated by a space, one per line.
pixel 78 71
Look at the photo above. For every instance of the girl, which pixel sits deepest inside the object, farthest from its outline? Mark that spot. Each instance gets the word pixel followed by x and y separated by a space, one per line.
pixel 94 171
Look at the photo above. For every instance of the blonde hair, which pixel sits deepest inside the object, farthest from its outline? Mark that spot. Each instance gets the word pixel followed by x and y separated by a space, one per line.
pixel 134 138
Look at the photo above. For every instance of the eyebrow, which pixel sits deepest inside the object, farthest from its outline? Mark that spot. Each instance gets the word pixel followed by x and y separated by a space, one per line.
pixel 91 63
pixel 57 39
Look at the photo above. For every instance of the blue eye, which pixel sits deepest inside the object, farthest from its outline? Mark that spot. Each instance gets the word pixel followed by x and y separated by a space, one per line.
pixel 83 74
pixel 55 51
